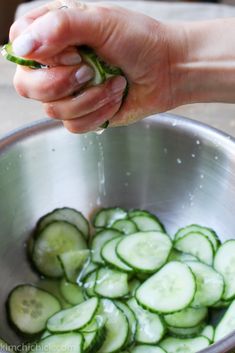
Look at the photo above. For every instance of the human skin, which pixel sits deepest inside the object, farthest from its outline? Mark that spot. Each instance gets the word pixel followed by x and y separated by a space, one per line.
pixel 166 65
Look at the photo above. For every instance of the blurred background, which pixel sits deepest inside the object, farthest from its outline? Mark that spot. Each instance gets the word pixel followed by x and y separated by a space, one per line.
pixel 8 8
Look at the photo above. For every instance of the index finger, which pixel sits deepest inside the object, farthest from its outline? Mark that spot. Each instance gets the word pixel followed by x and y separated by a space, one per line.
pixel 24 21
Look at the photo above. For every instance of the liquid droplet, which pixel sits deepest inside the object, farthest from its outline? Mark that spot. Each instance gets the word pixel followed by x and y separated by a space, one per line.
pixel 99 131
pixel 193 155
pixel 198 142
pixel 179 161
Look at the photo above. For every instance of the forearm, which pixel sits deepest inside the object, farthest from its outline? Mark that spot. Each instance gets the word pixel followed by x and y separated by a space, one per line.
pixel 203 62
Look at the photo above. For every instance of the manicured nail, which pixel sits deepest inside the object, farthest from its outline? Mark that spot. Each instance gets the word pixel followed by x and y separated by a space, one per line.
pixel 84 74
pixel 118 84
pixel 70 59
pixel 23 45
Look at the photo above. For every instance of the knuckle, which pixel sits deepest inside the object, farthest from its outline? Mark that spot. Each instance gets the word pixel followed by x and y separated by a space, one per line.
pixel 52 87
pixel 49 110
pixel 102 11
pixel 61 26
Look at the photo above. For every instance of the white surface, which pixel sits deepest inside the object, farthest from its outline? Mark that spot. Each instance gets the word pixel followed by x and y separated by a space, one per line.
pixel 162 10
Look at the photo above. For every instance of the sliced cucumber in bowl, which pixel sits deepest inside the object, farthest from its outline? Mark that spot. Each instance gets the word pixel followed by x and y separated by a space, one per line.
pixel 55 239
pixel 66 214
pixel 171 289
pixel 116 325
pixel 71 342
pixel 189 317
pixel 145 251
pixel 29 308
pixel 129 292
pixel 184 345
pixel 73 318
pixel 198 245
pixel 150 326
pixel 209 283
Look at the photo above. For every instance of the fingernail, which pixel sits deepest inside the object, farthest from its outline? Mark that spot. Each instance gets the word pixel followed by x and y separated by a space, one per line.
pixel 70 59
pixel 84 74
pixel 118 84
pixel 23 45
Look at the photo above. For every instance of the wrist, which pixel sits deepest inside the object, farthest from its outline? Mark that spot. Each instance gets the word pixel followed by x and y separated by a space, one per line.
pixel 202 61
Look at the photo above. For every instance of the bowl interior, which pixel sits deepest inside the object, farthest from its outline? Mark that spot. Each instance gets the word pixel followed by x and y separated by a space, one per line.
pixel 178 169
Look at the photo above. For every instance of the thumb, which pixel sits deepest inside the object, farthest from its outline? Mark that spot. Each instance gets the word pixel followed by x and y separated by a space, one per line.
pixel 51 33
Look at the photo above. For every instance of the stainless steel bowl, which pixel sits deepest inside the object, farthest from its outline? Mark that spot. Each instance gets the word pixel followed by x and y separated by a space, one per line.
pixel 179 169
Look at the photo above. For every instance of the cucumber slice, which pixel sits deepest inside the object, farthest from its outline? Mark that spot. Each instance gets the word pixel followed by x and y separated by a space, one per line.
pixel 71 292
pixel 189 317
pixel 56 238
pixel 224 263
pixel 98 242
pixel 171 289
pixel 132 321
pixel 184 345
pixel 176 255
pixel 94 340
pixel 210 234
pixel 91 59
pixel 116 325
pixel 221 304
pixel 208 332
pixel 87 269
pixel 107 216
pixel 109 255
pixel 103 71
pixel 89 284
pixel 125 226
pixel 197 245
pixel 62 343
pixel 7 53
pixel 150 327
pixel 73 318
pixel 137 212
pixel 29 308
pixel 145 251
pixel 133 285
pixel 72 262
pixel 144 348
pixel 189 332
pixel 209 283
pixel 66 214
pixel 226 324
pixel 46 334
pixel 96 323
pixel 147 223
pixel 111 283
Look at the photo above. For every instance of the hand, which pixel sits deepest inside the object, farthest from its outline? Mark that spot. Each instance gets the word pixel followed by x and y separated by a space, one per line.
pixel 139 45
